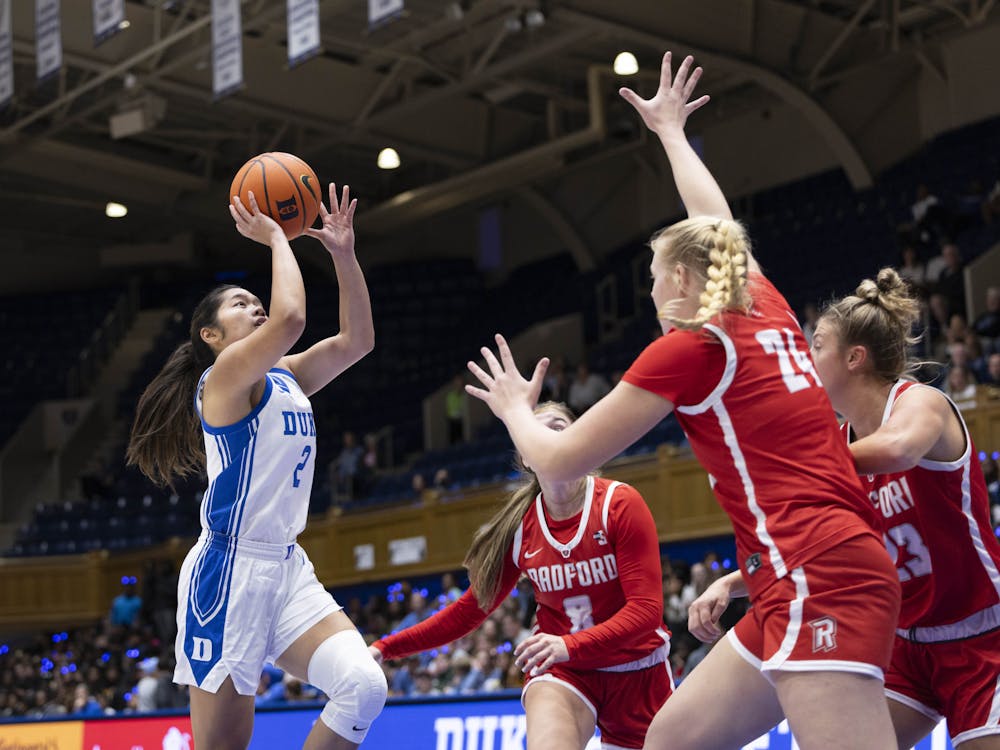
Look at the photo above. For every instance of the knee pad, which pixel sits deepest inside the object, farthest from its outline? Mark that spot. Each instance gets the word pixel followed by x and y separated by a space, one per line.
pixel 342 667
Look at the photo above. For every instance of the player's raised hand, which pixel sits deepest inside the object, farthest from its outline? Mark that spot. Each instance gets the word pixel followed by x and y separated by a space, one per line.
pixel 251 222
pixel 669 108
pixel 337 232
pixel 536 653
pixel 504 387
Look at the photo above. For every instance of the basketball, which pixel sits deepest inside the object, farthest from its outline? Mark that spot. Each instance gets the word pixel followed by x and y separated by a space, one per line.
pixel 285 187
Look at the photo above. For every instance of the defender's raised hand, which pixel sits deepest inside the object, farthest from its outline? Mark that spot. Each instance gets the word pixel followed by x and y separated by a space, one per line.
pixel 670 107
pixel 505 387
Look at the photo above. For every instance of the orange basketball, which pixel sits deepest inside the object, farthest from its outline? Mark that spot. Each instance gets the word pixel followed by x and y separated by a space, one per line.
pixel 285 187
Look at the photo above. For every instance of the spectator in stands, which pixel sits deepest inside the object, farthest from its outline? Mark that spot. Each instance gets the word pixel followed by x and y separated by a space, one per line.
pixel 991 204
pixel 418 485
pixel 930 219
pixel 586 389
pixel 442 479
pixel 423 684
pixel 455 407
pixel 233 402
pixel 418 611
pixel 993 370
pixel 987 323
pixel 159 600
pixel 146 688
pixel 126 606
pixel 556 384
pixel 912 270
pixel 449 588
pixel 370 460
pixel 961 387
pixel 582 627
pixel 951 281
pixel 810 315
pixel 347 465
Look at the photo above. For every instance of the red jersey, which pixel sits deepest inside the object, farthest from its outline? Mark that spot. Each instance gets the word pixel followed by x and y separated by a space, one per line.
pixel 597 581
pixel 936 519
pixel 761 424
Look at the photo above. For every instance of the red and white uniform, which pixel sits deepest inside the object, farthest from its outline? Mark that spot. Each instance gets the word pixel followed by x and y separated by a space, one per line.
pixel 936 520
pixel 598 583
pixel 759 421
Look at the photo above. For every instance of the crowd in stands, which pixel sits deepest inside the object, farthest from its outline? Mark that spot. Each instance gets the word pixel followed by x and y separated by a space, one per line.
pixel 124 663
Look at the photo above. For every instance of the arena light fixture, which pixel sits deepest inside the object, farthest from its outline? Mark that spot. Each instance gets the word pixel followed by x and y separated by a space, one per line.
pixel 626 64
pixel 115 210
pixel 388 158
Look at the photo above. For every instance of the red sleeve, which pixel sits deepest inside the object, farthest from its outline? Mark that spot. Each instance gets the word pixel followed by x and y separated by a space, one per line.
pixel 459 618
pixel 633 533
pixel 681 366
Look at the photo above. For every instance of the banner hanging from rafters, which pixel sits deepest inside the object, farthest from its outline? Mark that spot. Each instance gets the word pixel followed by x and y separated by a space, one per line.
pixel 227 47
pixel 48 38
pixel 109 16
pixel 6 56
pixel 303 30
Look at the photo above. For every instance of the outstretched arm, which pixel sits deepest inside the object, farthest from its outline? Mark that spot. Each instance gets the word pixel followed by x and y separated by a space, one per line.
pixel 325 360
pixel 666 114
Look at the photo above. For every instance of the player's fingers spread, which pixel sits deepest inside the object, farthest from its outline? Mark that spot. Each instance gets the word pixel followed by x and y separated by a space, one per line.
pixel 665 71
pixel 481 374
pixel 477 392
pixel 505 356
pixel 351 208
pixel 682 73
pixel 345 200
pixel 491 362
pixel 254 208
pixel 334 206
pixel 692 81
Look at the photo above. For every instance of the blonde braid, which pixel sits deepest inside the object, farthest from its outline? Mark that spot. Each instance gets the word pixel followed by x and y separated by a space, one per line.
pixel 727 275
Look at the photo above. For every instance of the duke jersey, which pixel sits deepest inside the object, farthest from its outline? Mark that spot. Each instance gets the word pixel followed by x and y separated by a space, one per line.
pixel 937 529
pixel 573 566
pixel 260 469
pixel 760 423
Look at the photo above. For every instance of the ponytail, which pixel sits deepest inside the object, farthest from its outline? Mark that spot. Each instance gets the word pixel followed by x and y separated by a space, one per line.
pixel 717 249
pixel 166 440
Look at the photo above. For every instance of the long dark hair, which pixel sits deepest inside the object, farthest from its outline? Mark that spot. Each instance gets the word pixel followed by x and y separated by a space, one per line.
pixel 166 442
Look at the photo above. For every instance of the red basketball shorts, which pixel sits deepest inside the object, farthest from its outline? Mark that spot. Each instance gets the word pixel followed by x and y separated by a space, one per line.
pixel 837 612
pixel 956 680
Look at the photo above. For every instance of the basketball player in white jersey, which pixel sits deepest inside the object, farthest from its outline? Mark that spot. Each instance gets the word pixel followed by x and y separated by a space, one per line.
pixel 247 592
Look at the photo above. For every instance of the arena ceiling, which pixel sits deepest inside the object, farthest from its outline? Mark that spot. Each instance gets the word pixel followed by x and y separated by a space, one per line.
pixel 478 96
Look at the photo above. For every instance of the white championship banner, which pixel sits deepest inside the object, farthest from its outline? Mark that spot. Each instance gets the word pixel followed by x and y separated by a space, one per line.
pixel 227 47
pixel 108 18
pixel 303 30
pixel 48 38
pixel 6 56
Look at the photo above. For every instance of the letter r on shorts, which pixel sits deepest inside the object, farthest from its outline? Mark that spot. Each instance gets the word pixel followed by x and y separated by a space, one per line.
pixel 824 632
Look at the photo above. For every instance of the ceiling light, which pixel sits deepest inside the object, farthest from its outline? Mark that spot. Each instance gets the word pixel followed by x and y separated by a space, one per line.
pixel 115 210
pixel 534 18
pixel 124 24
pixel 626 64
pixel 388 158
